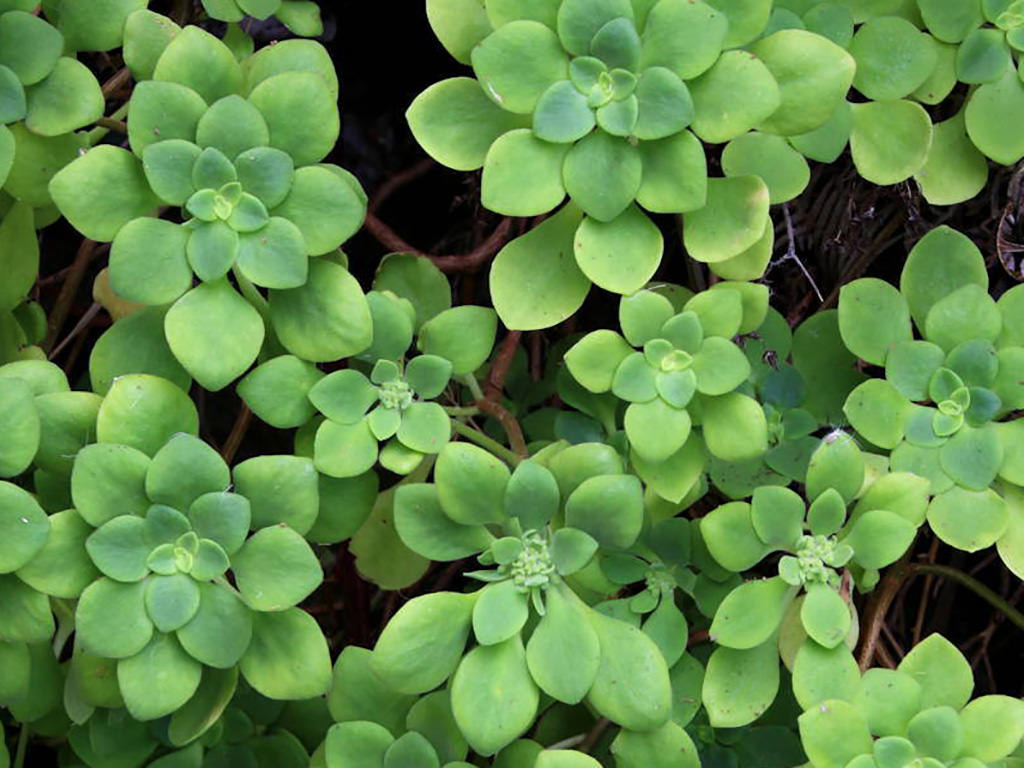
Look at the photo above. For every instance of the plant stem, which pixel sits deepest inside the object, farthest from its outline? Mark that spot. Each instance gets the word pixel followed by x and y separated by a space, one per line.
pixel 508 423
pixel 897 576
pixel 484 441
pixel 80 326
pixel 68 290
pixel 65 625
pixel 237 434
pixel 252 294
pixel 113 124
pixel 474 386
pixel 460 410
pixel 227 585
pixel 105 124
pixel 568 743
pixel 22 748
pixel 120 78
pixel 501 364
pixel 593 735
pixel 975 586
pixel 878 606
pixel 493 408
pixel 462 262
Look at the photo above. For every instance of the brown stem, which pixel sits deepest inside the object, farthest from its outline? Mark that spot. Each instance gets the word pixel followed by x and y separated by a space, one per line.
pixel 593 735
pixel 238 431
pixel 463 262
pixel 697 637
pixel 114 125
pixel 72 283
pixel 79 327
pixel 120 78
pixel 933 551
pixel 878 606
pixel 500 367
pixel 998 602
pixel 508 422
pixel 536 356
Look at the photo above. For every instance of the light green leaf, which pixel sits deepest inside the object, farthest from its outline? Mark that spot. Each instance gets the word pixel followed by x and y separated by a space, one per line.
pixel 100 217
pixel 275 569
pixel 943 673
pixel 632 685
pixel 68 98
pixel 602 174
pixel 423 642
pixel 455 122
pixel 533 285
pixel 990 112
pixel 735 95
pixel 813 75
pixel 740 685
pixel 516 63
pixel 667 746
pixel 893 58
pixel 522 174
pixel 219 634
pixel 620 255
pixel 734 427
pixel 986 522
pixel 159 679
pixel 750 614
pixel 197 59
pixel 732 220
pixel 889 140
pixel 288 656
pixel 325 319
pixel 833 733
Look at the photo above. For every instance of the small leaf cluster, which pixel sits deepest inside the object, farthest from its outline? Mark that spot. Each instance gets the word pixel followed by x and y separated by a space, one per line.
pixel 42 89
pixel 572 652
pixel 919 713
pixel 145 542
pixel 236 145
pixel 687 356
pixel 386 396
pixel 763 618
pixel 608 103
pixel 249 727
pixel 947 389
pixel 46 96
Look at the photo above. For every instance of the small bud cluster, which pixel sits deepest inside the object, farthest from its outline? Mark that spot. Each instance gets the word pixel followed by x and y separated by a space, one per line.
pixel 533 567
pixel 395 394
pixel 658 579
pixel 815 561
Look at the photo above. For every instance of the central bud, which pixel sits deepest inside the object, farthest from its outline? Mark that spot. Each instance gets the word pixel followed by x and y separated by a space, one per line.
pixel 816 557
pixel 533 567
pixel 658 579
pixel 676 360
pixel 951 408
pixel 395 394
pixel 1012 17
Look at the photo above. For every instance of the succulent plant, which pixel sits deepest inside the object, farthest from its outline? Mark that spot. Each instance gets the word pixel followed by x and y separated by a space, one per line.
pixel 238 150
pixel 941 405
pixel 921 712
pixel 687 356
pixel 608 103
